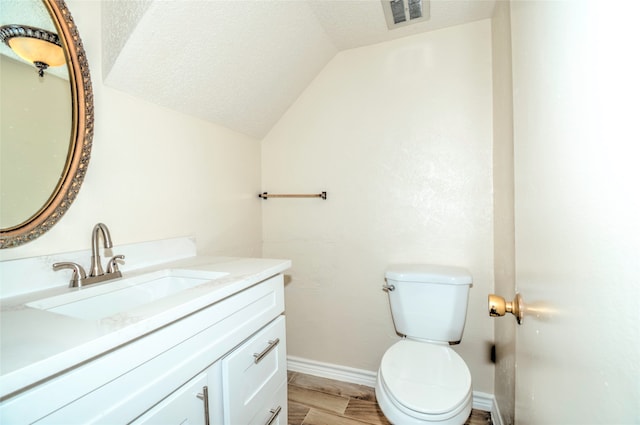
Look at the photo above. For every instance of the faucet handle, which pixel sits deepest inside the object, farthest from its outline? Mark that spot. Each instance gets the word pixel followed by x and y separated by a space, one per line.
pixel 112 266
pixel 78 273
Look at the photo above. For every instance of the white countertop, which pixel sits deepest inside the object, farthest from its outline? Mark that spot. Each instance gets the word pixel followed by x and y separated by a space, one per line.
pixel 36 344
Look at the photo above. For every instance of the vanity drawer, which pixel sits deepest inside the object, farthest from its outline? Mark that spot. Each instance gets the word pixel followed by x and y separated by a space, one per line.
pixel 185 406
pixel 254 372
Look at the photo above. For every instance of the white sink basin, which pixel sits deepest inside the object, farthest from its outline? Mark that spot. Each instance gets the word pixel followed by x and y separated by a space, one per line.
pixel 117 296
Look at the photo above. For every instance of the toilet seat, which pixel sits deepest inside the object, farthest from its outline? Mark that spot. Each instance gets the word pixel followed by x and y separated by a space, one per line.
pixel 426 380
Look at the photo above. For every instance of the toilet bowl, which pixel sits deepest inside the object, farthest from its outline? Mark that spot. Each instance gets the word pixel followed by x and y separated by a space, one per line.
pixel 421 379
pixel 421 382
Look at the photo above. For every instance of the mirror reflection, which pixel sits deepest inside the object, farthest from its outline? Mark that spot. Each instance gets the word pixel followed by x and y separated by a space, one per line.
pixel 47 117
pixel 34 139
pixel 36 123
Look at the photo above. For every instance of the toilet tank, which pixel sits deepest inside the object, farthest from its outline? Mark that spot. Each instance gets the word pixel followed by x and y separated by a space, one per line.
pixel 429 302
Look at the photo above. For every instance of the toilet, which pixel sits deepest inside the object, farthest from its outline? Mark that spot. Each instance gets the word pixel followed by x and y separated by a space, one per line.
pixel 422 380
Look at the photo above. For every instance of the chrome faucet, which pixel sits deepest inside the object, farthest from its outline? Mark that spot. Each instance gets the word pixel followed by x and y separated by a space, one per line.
pixel 96 266
pixel 96 273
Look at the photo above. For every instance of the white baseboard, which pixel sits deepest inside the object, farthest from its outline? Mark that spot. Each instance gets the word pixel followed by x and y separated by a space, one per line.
pixel 331 371
pixel 487 402
pixel 496 417
pixel 481 401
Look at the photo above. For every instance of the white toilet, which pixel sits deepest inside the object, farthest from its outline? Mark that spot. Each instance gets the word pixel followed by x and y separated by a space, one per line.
pixel 421 379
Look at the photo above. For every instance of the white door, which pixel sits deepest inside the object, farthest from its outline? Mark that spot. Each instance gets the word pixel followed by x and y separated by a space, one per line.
pixel 577 210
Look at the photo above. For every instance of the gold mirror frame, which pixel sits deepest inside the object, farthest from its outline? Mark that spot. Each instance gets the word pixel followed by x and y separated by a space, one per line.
pixel 81 135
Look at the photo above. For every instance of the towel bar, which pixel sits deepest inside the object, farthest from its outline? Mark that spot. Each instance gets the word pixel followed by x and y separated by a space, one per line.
pixel 265 195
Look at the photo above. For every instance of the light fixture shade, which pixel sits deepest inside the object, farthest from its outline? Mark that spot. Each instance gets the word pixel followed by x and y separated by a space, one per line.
pixel 35 45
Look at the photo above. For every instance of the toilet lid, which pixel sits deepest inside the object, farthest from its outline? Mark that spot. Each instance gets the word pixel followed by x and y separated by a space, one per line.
pixel 426 378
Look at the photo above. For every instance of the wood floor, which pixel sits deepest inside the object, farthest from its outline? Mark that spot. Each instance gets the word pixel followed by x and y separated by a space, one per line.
pixel 321 401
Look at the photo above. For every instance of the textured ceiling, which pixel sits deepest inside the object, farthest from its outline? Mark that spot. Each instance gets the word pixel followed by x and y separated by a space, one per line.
pixel 242 63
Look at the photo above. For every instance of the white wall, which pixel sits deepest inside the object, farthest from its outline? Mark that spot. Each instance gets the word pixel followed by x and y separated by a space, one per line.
pixel 399 134
pixel 155 173
pixel 505 328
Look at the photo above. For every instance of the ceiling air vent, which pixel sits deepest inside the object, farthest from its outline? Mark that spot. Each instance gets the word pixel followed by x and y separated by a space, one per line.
pixel 399 13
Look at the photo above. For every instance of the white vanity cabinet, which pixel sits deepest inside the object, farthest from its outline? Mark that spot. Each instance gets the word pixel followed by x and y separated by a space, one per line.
pixel 248 386
pixel 235 348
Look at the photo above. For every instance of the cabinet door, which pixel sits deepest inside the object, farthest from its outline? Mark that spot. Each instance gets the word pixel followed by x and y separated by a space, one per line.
pixel 187 405
pixel 253 373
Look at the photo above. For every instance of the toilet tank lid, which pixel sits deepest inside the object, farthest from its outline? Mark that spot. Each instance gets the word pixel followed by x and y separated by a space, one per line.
pixel 429 273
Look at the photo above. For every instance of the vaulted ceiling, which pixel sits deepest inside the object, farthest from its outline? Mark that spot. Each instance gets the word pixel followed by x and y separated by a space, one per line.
pixel 242 63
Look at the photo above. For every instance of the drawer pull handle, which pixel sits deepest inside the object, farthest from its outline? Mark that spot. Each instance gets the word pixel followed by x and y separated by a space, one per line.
pixel 204 396
pixel 260 356
pixel 274 414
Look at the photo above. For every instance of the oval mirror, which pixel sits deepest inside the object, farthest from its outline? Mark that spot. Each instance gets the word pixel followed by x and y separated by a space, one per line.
pixel 47 121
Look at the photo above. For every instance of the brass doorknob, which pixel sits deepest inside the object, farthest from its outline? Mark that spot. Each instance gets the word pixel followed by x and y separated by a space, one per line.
pixel 498 307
